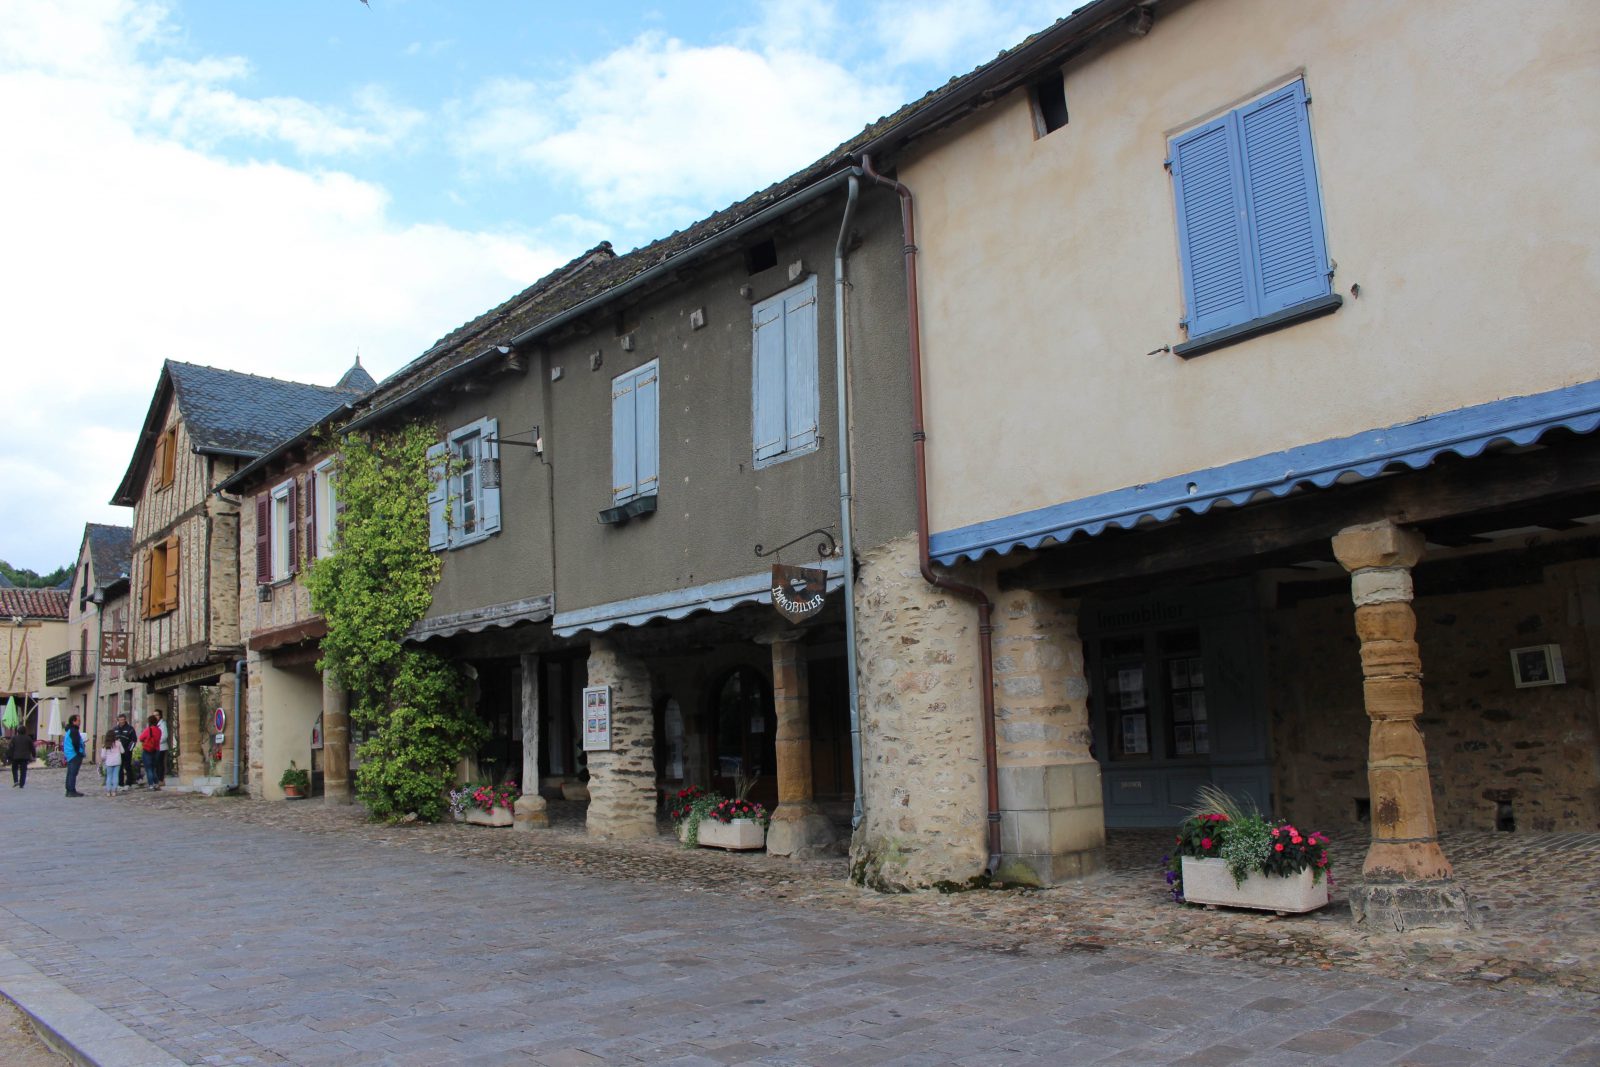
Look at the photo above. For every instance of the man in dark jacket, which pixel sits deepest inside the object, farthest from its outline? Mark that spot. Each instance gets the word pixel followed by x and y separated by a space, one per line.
pixel 125 733
pixel 72 749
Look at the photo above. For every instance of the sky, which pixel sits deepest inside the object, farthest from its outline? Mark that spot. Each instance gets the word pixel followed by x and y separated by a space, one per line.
pixel 279 188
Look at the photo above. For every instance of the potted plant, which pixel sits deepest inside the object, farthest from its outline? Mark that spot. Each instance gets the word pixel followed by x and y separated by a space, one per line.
pixel 295 782
pixel 485 804
pixel 689 807
pixel 737 825
pixel 1230 854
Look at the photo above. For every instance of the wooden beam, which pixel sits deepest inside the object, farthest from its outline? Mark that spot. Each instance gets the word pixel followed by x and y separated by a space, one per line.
pixel 1301 525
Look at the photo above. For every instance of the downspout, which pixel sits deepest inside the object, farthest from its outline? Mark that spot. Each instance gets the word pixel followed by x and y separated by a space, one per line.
pixel 919 439
pixel 842 405
pixel 238 733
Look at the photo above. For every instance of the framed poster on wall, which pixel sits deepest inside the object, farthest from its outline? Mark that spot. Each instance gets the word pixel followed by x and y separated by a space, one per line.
pixel 597 718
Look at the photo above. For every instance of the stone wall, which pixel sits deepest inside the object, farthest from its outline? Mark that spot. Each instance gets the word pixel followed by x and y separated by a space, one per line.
pixel 622 782
pixel 1487 740
pixel 921 739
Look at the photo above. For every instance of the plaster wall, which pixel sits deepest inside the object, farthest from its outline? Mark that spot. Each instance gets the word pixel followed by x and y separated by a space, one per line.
pixel 714 506
pixel 1447 142
pixel 284 705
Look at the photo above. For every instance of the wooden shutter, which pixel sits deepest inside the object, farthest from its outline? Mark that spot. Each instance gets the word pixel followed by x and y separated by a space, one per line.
pixel 438 467
pixel 1285 212
pixel 800 345
pixel 291 539
pixel 646 432
pixel 488 498
pixel 147 605
pixel 158 465
pixel 264 539
pixel 1212 230
pixel 769 379
pixel 624 437
pixel 311 517
pixel 170 598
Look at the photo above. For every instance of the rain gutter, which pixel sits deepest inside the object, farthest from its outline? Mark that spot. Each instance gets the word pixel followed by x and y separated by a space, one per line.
pixel 842 404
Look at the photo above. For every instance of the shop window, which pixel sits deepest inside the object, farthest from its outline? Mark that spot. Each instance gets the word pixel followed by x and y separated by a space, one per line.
pixel 1155 689
pixel 746 726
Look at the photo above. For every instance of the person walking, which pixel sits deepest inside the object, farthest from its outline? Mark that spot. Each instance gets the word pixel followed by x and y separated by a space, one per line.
pixel 127 735
pixel 20 753
pixel 150 746
pixel 72 748
pixel 161 764
pixel 111 761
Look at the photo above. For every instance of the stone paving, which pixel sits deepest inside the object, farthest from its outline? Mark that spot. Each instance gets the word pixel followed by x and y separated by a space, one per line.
pixel 294 933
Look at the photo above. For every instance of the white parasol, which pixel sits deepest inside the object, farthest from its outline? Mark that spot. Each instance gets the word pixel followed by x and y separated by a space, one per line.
pixel 55 729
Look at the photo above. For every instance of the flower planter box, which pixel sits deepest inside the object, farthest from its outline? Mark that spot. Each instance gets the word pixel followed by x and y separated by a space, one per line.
pixel 1207 881
pixel 497 817
pixel 740 835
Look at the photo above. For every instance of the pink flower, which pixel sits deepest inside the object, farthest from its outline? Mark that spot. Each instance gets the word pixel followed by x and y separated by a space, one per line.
pixel 1205 842
pixel 1274 833
pixel 1277 848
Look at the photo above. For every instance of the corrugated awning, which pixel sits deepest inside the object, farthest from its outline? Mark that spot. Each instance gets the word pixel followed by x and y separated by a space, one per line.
pixel 1466 432
pixel 680 603
pixel 476 620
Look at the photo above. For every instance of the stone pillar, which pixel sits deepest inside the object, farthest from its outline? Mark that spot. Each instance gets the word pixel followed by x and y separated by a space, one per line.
pixel 1408 881
pixel 1052 812
pixel 622 782
pixel 232 736
pixel 531 808
pixel 187 713
pixel 798 827
pixel 336 788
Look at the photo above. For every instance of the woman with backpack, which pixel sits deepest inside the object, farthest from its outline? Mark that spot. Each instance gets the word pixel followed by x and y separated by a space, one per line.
pixel 150 750
pixel 20 752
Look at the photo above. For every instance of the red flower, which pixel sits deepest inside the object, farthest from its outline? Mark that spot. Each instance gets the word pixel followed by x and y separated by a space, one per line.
pixel 1277 848
pixel 1205 842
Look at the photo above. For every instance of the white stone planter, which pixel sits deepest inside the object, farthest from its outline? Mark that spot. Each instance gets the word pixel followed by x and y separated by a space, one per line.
pixel 740 835
pixel 1207 881
pixel 497 817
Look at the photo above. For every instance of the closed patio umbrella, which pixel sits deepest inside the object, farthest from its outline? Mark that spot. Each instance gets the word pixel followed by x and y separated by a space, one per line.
pixel 9 720
pixel 55 730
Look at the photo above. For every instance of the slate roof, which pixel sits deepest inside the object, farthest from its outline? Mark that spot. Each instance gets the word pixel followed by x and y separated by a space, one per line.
pixel 595 273
pixel 232 413
pixel 33 603
pixel 110 552
pixel 6 583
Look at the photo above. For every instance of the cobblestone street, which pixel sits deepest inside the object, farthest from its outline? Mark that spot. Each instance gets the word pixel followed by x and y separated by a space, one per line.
pixel 314 937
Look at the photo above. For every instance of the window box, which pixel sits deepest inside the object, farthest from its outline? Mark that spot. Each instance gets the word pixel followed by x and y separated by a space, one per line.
pixel 621 513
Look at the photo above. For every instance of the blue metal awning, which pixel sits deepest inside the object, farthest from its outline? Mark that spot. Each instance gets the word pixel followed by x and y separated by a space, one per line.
pixel 681 603
pixel 1518 420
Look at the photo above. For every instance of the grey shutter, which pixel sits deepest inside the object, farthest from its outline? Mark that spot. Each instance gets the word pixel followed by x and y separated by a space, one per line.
pixel 800 343
pixel 489 499
pixel 624 462
pixel 769 380
pixel 438 529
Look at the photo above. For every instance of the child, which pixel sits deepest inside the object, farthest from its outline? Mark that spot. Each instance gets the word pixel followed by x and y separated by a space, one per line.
pixel 111 761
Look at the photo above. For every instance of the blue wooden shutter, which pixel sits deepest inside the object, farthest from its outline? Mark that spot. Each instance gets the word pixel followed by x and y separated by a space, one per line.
pixel 624 461
pixel 438 465
pixel 1285 212
pixel 800 343
pixel 489 499
pixel 1212 229
pixel 647 429
pixel 770 378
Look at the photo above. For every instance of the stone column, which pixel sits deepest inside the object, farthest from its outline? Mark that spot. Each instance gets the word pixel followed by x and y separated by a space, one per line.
pixel 186 714
pixel 226 685
pixel 798 827
pixel 335 742
pixel 1408 881
pixel 1052 812
pixel 622 782
pixel 531 808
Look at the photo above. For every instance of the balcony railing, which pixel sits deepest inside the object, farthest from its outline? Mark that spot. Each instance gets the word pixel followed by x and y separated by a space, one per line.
pixel 68 668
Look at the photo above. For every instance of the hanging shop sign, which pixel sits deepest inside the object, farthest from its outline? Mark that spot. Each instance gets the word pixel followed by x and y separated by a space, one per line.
pixel 114 648
pixel 597 718
pixel 798 592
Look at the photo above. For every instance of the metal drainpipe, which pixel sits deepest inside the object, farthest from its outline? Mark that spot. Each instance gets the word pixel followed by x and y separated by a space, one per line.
pixel 845 505
pixel 238 734
pixel 919 438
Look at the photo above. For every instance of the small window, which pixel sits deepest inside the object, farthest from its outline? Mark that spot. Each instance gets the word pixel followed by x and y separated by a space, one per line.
pixel 760 256
pixel 282 530
pixel 464 506
pixel 1049 104
pixel 164 464
pixel 635 438
pixel 324 517
pixel 784 376
pixel 161 577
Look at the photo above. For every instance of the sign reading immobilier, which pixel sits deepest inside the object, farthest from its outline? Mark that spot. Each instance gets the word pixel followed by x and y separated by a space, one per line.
pixel 798 592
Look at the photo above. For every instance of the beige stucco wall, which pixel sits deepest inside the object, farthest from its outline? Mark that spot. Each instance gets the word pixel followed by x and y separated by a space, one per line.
pixel 1451 145
pixel 23 651
pixel 283 707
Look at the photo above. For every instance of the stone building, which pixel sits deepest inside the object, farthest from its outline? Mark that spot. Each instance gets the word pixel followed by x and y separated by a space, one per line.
pixel 185 642
pixel 33 630
pixel 1279 471
pixel 98 609
pixel 625 450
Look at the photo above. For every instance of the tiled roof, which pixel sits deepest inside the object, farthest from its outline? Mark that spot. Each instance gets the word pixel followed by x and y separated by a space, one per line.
pixel 6 583
pixel 33 603
pixel 110 551
pixel 598 270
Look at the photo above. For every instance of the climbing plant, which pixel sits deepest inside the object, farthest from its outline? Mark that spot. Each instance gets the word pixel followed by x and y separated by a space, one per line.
pixel 370 590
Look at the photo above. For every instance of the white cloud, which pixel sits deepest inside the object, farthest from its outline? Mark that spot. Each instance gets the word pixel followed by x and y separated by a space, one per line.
pixel 960 32
pixel 128 242
pixel 658 132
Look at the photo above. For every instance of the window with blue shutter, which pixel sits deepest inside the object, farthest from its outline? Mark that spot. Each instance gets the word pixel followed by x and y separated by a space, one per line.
pixel 783 387
pixel 1250 236
pixel 464 499
pixel 439 472
pixel 635 440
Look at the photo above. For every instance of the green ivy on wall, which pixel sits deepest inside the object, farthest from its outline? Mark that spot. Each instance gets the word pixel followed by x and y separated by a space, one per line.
pixel 375 585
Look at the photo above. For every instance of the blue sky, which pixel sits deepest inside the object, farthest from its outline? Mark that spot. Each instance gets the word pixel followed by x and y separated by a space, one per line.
pixel 275 187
